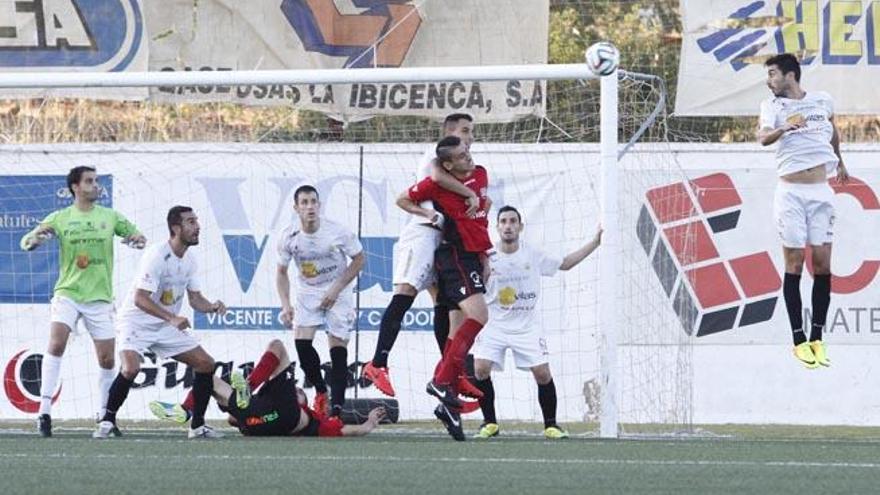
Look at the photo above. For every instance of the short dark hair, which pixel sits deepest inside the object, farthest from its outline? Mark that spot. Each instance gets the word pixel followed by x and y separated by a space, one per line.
pixel 453 119
pixel 507 208
pixel 75 175
pixel 786 62
pixel 445 147
pixel 175 217
pixel 304 189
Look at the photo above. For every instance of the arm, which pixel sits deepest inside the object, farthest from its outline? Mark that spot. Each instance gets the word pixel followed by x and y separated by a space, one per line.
pixel 768 136
pixel 842 173
pixel 375 417
pixel 445 180
pixel 33 239
pixel 351 271
pixel 130 234
pixel 282 285
pixel 408 205
pixel 199 303
pixel 575 257
pixel 143 302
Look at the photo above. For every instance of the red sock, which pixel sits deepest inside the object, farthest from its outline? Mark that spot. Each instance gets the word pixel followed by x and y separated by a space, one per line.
pixel 447 346
pixel 189 402
pixel 452 363
pixel 263 370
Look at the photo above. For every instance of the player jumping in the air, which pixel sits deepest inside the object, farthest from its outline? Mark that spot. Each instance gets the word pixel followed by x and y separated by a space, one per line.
pixel 803 207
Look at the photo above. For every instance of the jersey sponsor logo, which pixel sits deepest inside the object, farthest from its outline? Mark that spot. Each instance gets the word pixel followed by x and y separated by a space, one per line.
pixel 508 296
pixel 96 34
pixel 380 35
pixel 710 294
pixel 817 30
pixel 21 381
pixel 82 260
pixel 167 297
pixel 262 420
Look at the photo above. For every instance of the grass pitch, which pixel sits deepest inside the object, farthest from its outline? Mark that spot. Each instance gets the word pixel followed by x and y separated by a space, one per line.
pixel 419 458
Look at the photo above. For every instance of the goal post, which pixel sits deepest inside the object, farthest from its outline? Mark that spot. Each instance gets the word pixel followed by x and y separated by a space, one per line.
pixel 616 313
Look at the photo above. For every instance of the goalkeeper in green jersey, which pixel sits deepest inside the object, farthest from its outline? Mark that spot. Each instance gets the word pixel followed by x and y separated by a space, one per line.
pixel 84 290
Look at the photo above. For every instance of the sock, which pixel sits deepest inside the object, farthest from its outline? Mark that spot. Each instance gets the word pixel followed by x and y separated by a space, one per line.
pixel 338 375
pixel 263 370
pixel 310 364
pixel 390 327
pixel 821 300
pixel 487 403
pixel 441 325
pixel 452 363
pixel 443 349
pixel 105 380
pixel 791 290
pixel 547 400
pixel 203 385
pixel 49 373
pixel 116 396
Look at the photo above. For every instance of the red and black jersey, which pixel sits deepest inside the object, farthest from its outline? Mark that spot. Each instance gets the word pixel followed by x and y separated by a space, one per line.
pixel 471 233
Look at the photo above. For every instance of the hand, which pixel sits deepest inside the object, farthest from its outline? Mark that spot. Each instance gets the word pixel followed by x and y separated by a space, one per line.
pixel 329 298
pixel 376 416
pixel 34 241
pixel 437 219
pixel 287 316
pixel 218 307
pixel 179 322
pixel 791 126
pixel 473 204
pixel 842 174
pixel 136 241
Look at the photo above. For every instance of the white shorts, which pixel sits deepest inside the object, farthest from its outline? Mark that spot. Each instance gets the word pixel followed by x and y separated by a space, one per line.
pixel 337 321
pixel 167 341
pixel 414 256
pixel 97 316
pixel 804 214
pixel 529 348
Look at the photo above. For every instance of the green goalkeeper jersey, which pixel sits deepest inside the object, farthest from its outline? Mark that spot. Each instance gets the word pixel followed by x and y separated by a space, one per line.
pixel 86 240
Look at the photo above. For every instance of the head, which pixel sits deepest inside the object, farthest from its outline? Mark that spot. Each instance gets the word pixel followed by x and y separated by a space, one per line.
pixel 783 74
pixel 453 155
pixel 183 224
pixel 306 203
pixel 460 125
pixel 509 224
pixel 83 183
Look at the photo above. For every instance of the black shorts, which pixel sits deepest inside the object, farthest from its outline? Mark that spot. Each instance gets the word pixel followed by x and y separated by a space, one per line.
pixel 273 410
pixel 459 274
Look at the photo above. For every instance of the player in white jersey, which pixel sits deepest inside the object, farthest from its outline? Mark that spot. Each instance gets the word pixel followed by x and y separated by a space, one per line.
pixel 808 152
pixel 414 262
pixel 320 249
pixel 150 320
pixel 514 291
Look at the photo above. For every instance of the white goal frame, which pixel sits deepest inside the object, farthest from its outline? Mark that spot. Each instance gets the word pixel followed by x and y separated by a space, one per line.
pixel 609 317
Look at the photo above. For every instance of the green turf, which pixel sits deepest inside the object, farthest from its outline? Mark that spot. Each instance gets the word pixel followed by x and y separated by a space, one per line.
pixel 419 459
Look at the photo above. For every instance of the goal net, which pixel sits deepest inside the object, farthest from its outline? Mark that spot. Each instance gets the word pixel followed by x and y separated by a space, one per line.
pixel 238 167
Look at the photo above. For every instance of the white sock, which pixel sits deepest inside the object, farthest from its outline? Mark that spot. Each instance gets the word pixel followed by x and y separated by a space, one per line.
pixel 49 373
pixel 105 380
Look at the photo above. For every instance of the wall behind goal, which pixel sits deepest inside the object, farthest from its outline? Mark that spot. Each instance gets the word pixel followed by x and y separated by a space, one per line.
pixel 742 367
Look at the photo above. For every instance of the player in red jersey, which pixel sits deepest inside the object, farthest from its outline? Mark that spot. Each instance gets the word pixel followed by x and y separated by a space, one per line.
pixel 461 263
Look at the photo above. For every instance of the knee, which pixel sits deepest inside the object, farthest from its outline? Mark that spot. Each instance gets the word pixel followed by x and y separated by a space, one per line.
pixel 205 365
pixel 276 347
pixel 130 368
pixel 106 361
pixel 542 375
pixel 482 369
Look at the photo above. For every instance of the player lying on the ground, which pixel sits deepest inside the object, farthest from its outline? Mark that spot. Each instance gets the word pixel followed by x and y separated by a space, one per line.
pixel 278 408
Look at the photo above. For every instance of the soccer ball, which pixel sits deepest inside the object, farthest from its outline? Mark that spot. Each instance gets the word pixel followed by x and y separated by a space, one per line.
pixel 602 58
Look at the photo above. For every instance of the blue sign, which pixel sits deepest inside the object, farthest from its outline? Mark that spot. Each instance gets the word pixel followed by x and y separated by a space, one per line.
pixel 269 318
pixel 84 33
pixel 29 277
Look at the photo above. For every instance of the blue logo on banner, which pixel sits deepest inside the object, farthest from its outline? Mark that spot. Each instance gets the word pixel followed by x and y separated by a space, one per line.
pixel 29 277
pixel 70 33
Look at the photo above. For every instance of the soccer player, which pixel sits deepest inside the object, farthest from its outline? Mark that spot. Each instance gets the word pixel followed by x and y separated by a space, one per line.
pixel 461 263
pixel 414 262
pixel 319 248
pixel 84 290
pixel 150 320
pixel 277 409
pixel 808 152
pixel 514 291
